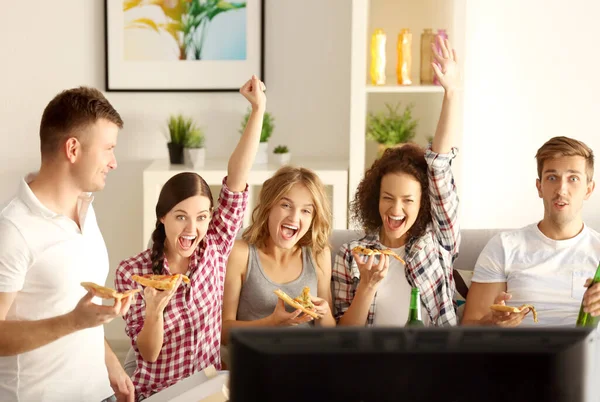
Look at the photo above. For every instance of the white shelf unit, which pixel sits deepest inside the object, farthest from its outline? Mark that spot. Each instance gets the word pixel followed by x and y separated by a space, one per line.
pixel 392 16
pixel 333 174
pixel 407 89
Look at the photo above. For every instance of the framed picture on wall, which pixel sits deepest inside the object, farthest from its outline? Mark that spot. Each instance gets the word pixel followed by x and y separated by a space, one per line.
pixel 183 45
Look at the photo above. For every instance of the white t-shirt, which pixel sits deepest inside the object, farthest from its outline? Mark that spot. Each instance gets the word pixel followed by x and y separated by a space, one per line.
pixel 393 296
pixel 547 273
pixel 44 257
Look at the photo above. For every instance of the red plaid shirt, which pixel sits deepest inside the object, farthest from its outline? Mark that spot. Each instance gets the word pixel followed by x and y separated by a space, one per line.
pixel 192 319
pixel 429 258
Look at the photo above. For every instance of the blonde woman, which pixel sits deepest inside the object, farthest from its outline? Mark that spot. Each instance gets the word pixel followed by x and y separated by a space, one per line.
pixel 286 248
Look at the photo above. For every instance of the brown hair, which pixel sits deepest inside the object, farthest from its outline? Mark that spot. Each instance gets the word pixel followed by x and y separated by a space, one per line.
pixel 71 111
pixel 273 190
pixel 178 188
pixel 408 159
pixel 564 146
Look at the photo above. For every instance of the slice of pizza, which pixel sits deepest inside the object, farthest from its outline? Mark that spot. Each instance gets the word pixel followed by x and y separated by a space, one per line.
pixel 304 299
pixel 161 282
pixel 374 251
pixel 509 309
pixel 295 304
pixel 107 293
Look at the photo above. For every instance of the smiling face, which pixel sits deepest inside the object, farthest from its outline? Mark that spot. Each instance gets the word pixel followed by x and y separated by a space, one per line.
pixel 291 217
pixel 563 187
pixel 186 225
pixel 399 204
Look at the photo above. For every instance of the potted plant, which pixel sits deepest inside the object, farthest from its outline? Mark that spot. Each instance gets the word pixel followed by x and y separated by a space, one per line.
pixel 194 151
pixel 282 155
pixel 391 128
pixel 262 155
pixel 179 128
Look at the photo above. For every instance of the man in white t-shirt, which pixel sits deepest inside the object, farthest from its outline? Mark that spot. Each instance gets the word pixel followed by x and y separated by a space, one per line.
pixel 546 264
pixel 52 345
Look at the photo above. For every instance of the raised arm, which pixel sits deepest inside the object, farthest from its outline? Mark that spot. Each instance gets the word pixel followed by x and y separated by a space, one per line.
pixel 442 191
pixel 449 76
pixel 242 158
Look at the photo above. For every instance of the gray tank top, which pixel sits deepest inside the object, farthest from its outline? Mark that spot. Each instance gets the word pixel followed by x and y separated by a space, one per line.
pixel 257 299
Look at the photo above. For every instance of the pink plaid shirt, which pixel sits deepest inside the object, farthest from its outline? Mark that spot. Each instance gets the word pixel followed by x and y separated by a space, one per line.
pixel 192 319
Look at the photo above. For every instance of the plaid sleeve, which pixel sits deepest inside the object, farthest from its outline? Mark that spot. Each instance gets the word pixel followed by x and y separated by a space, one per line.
pixel 134 318
pixel 227 218
pixel 444 199
pixel 343 282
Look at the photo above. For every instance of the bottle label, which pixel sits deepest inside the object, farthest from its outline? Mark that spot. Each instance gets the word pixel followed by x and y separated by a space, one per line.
pixel 577 285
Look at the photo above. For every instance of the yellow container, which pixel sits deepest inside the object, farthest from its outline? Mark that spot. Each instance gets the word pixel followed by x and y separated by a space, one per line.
pixel 427 38
pixel 378 57
pixel 404 66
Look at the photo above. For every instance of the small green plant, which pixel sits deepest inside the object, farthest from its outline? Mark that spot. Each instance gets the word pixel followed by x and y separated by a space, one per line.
pixel 392 128
pixel 267 127
pixel 183 131
pixel 281 149
pixel 195 139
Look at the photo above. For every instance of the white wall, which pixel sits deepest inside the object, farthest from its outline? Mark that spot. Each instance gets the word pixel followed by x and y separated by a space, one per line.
pixel 61 45
pixel 530 74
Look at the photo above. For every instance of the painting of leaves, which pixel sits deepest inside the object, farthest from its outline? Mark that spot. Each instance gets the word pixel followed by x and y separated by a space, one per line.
pixel 163 30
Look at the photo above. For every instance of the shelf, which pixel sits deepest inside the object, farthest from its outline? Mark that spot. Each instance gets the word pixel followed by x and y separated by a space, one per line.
pixel 393 88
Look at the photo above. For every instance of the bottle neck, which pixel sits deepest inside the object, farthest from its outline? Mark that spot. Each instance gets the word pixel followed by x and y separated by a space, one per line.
pixel 597 275
pixel 415 306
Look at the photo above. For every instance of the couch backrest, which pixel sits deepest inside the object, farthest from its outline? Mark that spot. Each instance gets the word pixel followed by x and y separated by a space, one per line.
pixel 472 242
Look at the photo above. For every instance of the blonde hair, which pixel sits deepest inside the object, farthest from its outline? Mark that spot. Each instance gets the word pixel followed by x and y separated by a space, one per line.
pixel 563 146
pixel 317 236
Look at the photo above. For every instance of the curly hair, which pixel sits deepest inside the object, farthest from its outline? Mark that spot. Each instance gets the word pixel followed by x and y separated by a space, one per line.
pixel 178 188
pixel 273 190
pixel 408 159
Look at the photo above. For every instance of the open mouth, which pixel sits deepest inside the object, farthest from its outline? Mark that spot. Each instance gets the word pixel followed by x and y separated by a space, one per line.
pixel 185 241
pixel 288 231
pixel 396 222
pixel 560 204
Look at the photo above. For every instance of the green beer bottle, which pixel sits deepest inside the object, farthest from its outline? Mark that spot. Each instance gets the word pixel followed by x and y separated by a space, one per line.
pixel 414 311
pixel 585 319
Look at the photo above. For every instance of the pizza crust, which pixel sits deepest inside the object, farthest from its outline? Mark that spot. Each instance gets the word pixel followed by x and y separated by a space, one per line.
pixel 373 251
pixel 107 293
pixel 284 296
pixel 160 282
pixel 509 309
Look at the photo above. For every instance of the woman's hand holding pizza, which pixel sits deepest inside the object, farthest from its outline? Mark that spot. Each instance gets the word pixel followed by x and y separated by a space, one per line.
pixel 280 317
pixel 157 300
pixel 321 306
pixel 371 276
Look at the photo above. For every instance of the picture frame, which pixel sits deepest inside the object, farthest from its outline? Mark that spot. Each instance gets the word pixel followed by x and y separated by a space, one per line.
pixel 182 45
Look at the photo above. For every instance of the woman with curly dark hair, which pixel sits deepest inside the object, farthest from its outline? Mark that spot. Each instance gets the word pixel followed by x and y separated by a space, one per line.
pixel 407 203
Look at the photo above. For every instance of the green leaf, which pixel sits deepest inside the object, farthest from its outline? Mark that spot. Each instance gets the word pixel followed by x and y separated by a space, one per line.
pixel 392 128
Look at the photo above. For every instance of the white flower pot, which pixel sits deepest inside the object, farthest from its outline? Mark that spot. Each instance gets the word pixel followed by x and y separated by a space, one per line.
pixel 262 155
pixel 194 157
pixel 282 159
